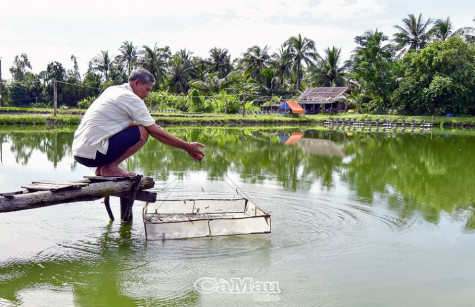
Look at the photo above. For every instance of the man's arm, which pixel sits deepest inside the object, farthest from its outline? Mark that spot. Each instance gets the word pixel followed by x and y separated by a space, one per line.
pixel 193 149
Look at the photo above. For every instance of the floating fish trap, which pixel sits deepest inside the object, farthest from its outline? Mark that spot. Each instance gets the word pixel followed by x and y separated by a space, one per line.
pixel 194 218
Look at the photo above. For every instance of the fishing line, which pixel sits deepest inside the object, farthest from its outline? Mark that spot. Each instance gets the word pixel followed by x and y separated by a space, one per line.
pixel 176 179
pixel 236 186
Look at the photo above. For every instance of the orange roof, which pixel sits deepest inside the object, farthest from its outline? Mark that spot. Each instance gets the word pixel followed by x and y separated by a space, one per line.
pixel 296 108
pixel 294 138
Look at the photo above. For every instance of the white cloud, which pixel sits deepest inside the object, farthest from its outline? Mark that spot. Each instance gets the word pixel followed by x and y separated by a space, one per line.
pixel 346 9
pixel 53 30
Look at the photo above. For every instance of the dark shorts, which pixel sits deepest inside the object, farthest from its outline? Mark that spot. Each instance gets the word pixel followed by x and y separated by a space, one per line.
pixel 118 144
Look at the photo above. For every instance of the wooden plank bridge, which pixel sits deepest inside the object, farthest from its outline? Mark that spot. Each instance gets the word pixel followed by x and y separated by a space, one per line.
pixel 46 193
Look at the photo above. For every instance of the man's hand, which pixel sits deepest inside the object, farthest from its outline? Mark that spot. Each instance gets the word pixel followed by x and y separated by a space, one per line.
pixel 195 152
pixel 193 148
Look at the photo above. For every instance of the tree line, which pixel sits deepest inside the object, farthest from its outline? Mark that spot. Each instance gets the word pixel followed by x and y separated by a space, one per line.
pixel 426 68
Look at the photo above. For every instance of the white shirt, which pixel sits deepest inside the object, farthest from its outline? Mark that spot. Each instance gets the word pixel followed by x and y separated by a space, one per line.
pixel 113 111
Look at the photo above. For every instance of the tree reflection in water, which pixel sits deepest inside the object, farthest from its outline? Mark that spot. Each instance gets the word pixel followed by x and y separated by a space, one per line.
pixel 96 272
pixel 415 173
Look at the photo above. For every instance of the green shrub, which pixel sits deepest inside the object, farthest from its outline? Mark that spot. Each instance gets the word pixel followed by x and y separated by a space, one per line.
pixel 157 100
pixel 226 103
pixel 86 102
pixel 209 106
pixel 196 102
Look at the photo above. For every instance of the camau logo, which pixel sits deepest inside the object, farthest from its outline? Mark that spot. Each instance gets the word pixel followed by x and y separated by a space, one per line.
pixel 236 285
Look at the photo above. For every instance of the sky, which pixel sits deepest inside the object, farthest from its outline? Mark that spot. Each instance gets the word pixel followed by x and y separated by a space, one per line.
pixel 53 30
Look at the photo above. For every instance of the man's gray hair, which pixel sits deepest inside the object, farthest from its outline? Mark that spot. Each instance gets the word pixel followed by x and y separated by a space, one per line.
pixel 143 75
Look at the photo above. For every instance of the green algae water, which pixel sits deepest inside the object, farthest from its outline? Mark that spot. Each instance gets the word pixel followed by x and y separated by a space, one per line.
pixel 358 219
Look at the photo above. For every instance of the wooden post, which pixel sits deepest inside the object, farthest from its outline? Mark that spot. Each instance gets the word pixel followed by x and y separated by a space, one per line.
pixel 55 98
pixel 243 104
pixel 226 106
pixel 108 207
pixel 126 204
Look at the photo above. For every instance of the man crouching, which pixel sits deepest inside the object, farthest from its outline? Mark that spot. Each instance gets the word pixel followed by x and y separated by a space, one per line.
pixel 117 125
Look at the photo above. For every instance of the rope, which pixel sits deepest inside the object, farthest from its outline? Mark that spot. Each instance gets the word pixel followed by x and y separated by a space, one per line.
pixel 79 85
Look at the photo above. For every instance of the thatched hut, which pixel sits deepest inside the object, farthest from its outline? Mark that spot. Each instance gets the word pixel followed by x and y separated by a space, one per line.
pixel 324 99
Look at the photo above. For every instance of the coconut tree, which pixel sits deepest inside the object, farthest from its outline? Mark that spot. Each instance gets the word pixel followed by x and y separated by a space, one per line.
pixel 219 62
pixel 302 51
pixel 127 56
pixel 155 60
pixel 270 85
pixel 103 63
pixel 442 29
pixel 414 33
pixel 212 83
pixel 328 71
pixel 201 67
pixel 255 60
pixel 281 63
pixel 181 72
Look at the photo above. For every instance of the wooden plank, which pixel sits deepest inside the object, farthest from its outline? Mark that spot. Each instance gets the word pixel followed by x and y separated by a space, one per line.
pixel 93 191
pixel 62 183
pixel 12 194
pixel 48 187
pixel 106 178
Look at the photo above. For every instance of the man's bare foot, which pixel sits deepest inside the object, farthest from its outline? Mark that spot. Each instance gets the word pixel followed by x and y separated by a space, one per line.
pixel 99 171
pixel 115 172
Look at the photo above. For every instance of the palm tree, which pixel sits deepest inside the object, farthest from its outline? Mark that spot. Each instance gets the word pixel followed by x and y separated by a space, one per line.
pixel 127 56
pixel 442 29
pixel 201 67
pixel 414 33
pixel 155 60
pixel 270 85
pixel 212 83
pixel 356 97
pixel 328 71
pixel 103 63
pixel 219 62
pixel 181 72
pixel 301 50
pixel 281 62
pixel 255 60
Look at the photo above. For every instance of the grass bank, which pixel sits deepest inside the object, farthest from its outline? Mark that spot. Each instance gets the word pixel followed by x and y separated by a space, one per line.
pixel 34 116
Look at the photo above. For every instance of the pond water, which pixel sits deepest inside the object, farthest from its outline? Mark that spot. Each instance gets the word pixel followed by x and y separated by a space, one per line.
pixel 358 219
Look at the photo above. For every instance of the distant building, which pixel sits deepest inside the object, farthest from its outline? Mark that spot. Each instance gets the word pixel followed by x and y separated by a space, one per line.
pixel 291 107
pixel 324 99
